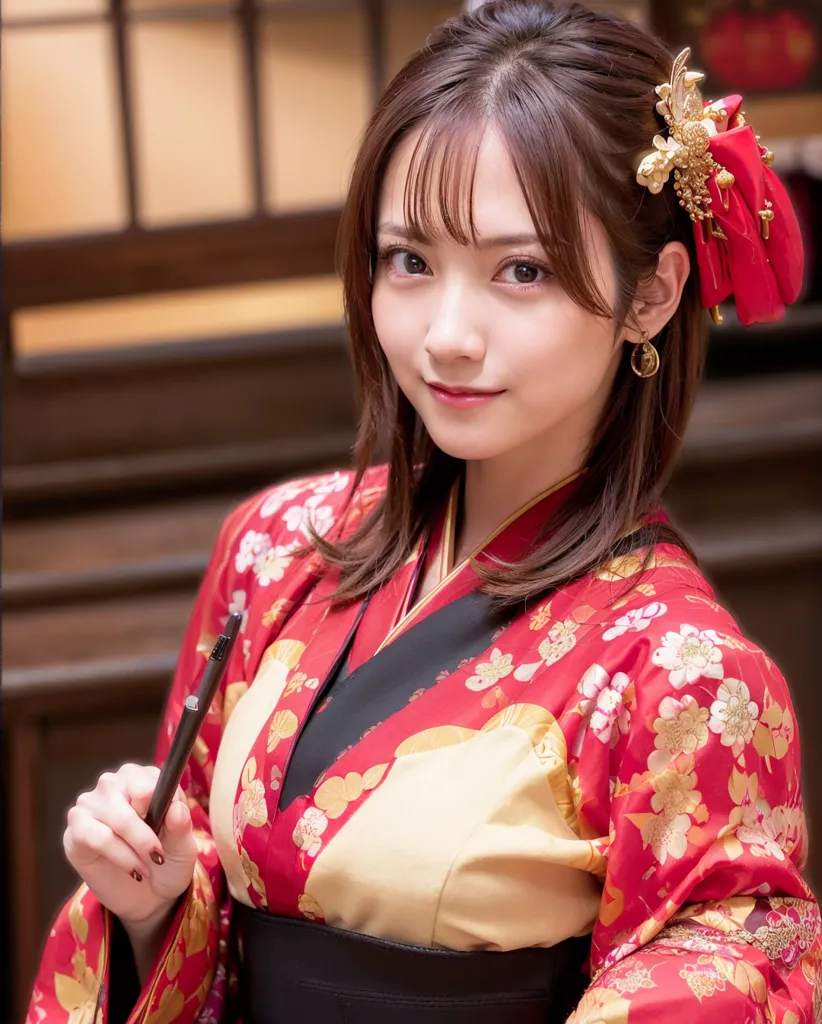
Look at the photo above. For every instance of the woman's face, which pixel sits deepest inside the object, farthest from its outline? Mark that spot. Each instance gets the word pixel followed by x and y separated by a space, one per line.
pixel 497 360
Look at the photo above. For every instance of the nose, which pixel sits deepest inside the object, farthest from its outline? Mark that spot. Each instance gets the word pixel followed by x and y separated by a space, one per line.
pixel 452 332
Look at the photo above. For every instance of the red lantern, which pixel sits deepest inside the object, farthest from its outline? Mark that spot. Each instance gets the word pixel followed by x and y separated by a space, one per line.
pixel 759 51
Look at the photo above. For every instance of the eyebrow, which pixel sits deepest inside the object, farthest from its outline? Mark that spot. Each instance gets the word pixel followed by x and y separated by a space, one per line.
pixel 493 242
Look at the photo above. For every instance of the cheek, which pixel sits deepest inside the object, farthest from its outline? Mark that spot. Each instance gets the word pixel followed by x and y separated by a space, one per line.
pixel 394 327
pixel 567 367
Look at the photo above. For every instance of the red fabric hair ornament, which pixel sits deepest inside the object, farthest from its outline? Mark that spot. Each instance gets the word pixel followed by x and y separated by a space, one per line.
pixel 748 241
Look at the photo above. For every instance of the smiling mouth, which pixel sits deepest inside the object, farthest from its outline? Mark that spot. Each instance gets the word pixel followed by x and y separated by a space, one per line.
pixel 461 391
pixel 462 399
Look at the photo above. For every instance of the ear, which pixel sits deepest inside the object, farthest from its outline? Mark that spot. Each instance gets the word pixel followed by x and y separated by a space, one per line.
pixel 657 297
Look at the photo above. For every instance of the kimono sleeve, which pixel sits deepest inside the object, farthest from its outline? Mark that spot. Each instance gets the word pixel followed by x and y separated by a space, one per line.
pixel 189 975
pixel 705 915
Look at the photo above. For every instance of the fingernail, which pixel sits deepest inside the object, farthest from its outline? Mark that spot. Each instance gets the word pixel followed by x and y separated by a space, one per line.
pixel 136 876
pixel 157 857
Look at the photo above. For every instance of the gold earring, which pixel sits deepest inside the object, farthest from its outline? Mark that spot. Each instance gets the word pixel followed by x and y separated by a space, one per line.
pixel 644 358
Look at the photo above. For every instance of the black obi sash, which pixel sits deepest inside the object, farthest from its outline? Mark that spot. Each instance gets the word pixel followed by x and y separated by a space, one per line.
pixel 294 970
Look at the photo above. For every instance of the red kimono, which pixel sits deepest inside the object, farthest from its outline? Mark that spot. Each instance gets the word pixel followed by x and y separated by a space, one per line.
pixel 617 760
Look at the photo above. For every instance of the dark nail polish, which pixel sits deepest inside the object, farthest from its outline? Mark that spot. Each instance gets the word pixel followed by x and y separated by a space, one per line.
pixel 157 857
pixel 136 876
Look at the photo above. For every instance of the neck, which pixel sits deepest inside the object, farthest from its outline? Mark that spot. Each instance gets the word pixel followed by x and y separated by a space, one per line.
pixel 495 489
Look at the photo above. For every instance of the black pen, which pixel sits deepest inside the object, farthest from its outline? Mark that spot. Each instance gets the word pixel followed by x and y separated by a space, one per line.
pixel 194 711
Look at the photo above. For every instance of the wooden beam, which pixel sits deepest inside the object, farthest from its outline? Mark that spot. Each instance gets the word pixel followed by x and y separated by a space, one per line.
pixel 122 72
pixel 169 259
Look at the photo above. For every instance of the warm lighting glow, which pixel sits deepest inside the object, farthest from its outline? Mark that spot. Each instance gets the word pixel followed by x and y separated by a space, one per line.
pixel 178 316
pixel 62 167
pixel 191 122
pixel 315 96
pixel 16 10
pixel 407 26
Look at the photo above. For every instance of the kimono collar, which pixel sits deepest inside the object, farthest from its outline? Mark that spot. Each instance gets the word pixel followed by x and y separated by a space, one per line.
pixel 511 540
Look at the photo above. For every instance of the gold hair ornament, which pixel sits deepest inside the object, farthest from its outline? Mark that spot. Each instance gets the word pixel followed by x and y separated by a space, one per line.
pixel 686 151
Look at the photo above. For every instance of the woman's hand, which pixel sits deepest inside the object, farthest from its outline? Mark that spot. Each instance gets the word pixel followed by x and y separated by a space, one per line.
pixel 136 874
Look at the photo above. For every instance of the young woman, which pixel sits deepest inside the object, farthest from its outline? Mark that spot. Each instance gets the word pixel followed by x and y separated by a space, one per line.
pixel 489 749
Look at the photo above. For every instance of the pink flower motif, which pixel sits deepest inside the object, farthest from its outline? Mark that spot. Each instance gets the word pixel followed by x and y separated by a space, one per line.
pixel 794 933
pixel 603 704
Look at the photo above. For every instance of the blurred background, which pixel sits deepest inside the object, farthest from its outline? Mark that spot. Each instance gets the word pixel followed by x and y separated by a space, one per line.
pixel 172 340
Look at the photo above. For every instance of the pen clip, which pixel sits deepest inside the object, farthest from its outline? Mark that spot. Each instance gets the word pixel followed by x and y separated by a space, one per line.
pixel 219 648
pixel 225 639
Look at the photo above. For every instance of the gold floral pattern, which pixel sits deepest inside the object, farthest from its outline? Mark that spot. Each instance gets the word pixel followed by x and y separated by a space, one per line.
pixel 309 907
pixel 561 640
pixel 251 808
pixel 277 611
pixel 488 673
pixel 704 977
pixel 252 877
pixel 674 800
pixel 675 794
pixel 541 617
pixel 283 726
pixel 336 793
pixel 295 684
pixel 629 977
pixel 77 994
pixel 665 791
pixel 774 732
pixel 681 728
pixel 790 928
pixel 600 1005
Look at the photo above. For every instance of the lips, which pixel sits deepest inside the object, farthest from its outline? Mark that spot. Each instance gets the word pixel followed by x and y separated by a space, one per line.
pixel 462 398
pixel 460 391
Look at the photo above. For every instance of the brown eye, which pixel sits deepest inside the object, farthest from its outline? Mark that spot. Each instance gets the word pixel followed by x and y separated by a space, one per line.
pixel 524 273
pixel 412 264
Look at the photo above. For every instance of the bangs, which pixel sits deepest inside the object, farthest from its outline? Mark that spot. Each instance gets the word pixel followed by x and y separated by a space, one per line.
pixel 439 189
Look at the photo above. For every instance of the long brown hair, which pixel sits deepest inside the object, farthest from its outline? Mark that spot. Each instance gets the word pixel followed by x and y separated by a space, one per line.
pixel 571 92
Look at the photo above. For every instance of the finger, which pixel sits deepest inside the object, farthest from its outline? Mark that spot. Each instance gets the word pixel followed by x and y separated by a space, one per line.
pixel 87 840
pixel 177 832
pixel 108 804
pixel 138 783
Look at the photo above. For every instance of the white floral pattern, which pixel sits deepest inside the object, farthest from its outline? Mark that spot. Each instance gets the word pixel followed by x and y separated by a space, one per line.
pixel 252 552
pixel 763 830
pixel 733 714
pixel 298 518
pixel 603 705
pixel 635 620
pixel 689 654
pixel 278 497
pixel 308 830
pixel 238 605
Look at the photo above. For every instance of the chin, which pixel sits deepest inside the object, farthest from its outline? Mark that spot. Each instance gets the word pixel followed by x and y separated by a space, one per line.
pixel 460 445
